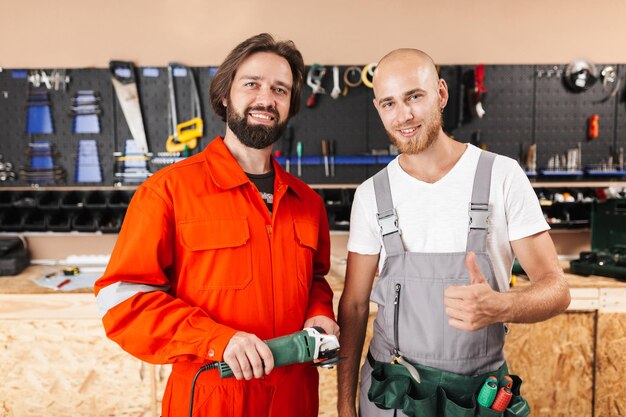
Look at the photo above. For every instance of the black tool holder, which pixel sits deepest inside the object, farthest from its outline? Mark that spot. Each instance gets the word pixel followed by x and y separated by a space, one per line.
pixel 524 104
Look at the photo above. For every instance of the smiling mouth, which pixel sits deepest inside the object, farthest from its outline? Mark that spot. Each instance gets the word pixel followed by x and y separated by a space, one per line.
pixel 409 131
pixel 264 117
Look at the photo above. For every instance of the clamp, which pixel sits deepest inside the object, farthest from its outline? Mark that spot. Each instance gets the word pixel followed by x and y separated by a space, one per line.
pixel 314 80
pixel 367 73
pixel 348 82
pixel 184 135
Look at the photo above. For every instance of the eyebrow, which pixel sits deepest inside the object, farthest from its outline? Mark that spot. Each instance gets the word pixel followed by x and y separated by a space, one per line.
pixel 259 78
pixel 408 93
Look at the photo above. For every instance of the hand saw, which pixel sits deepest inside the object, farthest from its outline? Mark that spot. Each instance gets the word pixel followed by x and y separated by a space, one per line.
pixel 123 79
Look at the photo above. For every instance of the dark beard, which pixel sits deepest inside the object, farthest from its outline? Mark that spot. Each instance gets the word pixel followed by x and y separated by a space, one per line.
pixel 254 136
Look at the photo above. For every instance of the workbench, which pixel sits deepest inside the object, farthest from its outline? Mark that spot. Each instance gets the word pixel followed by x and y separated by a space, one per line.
pixel 58 362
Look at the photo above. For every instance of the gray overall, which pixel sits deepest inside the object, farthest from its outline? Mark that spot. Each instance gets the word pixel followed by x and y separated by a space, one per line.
pixel 411 319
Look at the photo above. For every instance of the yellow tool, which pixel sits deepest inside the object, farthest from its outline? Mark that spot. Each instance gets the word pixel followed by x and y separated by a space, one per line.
pixel 185 135
pixel 367 74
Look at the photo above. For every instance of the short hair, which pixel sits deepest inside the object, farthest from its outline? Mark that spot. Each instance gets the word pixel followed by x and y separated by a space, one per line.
pixel 264 42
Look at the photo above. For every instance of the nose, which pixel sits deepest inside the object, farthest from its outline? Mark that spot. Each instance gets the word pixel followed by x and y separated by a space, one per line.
pixel 405 113
pixel 265 97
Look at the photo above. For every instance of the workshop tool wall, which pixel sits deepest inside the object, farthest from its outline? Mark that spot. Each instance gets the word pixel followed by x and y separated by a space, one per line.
pixel 524 104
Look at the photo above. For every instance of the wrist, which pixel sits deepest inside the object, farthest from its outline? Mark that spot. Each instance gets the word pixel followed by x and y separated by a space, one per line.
pixel 506 302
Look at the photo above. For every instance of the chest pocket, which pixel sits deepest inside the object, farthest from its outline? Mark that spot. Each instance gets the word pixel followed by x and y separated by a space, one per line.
pixel 219 252
pixel 307 234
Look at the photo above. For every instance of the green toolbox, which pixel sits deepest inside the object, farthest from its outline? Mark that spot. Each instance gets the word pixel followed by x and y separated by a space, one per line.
pixel 608 242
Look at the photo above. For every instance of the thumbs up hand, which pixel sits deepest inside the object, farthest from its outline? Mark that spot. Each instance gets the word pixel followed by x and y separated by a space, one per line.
pixel 476 277
pixel 474 306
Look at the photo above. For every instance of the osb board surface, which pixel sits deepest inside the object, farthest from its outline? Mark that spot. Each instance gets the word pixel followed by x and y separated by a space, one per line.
pixel 555 360
pixel 48 306
pixel 68 368
pixel 23 282
pixel 579 281
pixel 611 366
pixel 62 357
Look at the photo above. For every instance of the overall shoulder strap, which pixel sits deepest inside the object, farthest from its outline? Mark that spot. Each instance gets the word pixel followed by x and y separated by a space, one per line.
pixel 479 206
pixel 386 215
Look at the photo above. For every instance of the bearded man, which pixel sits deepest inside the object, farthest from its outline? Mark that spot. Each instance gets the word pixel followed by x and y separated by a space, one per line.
pixel 224 250
pixel 443 223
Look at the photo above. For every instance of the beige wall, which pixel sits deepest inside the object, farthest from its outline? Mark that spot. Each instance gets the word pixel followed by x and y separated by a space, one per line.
pixel 81 33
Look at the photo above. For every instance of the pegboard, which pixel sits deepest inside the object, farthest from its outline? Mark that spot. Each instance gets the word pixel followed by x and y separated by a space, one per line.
pixel 562 117
pixel 338 119
pixel 13 118
pixel 508 104
pixel 524 105
pixel 620 109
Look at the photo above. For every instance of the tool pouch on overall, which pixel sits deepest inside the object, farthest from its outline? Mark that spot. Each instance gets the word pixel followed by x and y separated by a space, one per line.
pixel 440 393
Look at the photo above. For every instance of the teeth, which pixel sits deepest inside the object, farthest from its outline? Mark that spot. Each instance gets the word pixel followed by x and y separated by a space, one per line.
pixel 411 130
pixel 261 116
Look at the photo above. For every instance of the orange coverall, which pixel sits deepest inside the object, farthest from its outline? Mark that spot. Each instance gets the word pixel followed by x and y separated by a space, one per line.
pixel 199 258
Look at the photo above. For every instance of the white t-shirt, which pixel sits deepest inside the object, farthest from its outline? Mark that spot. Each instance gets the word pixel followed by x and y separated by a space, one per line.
pixel 434 217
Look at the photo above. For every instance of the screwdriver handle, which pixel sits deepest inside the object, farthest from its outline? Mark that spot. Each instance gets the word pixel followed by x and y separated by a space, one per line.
pixel 502 399
pixel 310 102
pixel 299 154
pixel 325 147
pixel 594 126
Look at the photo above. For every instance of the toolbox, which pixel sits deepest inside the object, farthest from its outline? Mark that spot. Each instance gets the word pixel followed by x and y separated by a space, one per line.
pixel 608 242
pixel 14 257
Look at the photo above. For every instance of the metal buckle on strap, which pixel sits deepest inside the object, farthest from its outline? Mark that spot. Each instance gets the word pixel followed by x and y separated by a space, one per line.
pixel 388 222
pixel 479 216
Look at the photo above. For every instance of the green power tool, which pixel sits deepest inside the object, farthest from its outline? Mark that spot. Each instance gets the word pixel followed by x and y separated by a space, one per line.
pixel 308 345
pixel 311 344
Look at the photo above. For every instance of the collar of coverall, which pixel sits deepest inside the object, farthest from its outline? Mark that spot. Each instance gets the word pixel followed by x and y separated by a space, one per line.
pixel 227 174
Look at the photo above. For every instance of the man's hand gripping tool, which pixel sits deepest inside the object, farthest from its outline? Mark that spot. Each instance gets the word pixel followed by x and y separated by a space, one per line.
pixel 311 344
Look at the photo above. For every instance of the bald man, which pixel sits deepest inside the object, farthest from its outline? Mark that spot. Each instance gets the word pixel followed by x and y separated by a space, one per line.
pixel 442 223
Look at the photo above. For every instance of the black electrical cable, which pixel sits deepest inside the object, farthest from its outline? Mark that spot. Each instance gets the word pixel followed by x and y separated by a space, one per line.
pixel 212 365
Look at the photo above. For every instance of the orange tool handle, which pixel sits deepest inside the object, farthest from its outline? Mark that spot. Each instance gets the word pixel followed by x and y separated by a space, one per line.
pixel 502 399
pixel 594 126
pixel 310 102
pixel 325 147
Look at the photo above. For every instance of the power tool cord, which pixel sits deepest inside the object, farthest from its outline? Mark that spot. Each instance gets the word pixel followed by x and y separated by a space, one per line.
pixel 212 365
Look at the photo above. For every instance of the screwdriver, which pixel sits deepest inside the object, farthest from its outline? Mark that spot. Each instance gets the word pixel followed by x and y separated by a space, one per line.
pixel 325 146
pixel 333 144
pixel 289 145
pixel 488 392
pixel 299 154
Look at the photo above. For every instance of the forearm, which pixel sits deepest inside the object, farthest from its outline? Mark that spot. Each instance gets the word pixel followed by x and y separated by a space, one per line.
pixel 353 323
pixel 543 299
pixel 158 328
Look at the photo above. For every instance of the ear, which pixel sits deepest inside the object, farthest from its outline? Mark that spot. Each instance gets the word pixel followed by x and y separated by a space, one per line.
pixel 443 93
pixel 224 101
pixel 376 104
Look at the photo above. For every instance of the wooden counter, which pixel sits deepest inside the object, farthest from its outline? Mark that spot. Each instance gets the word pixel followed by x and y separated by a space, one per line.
pixel 573 364
pixel 58 362
pixel 23 283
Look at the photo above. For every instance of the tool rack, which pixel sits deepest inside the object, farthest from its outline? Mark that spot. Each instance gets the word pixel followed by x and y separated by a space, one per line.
pixel 525 104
